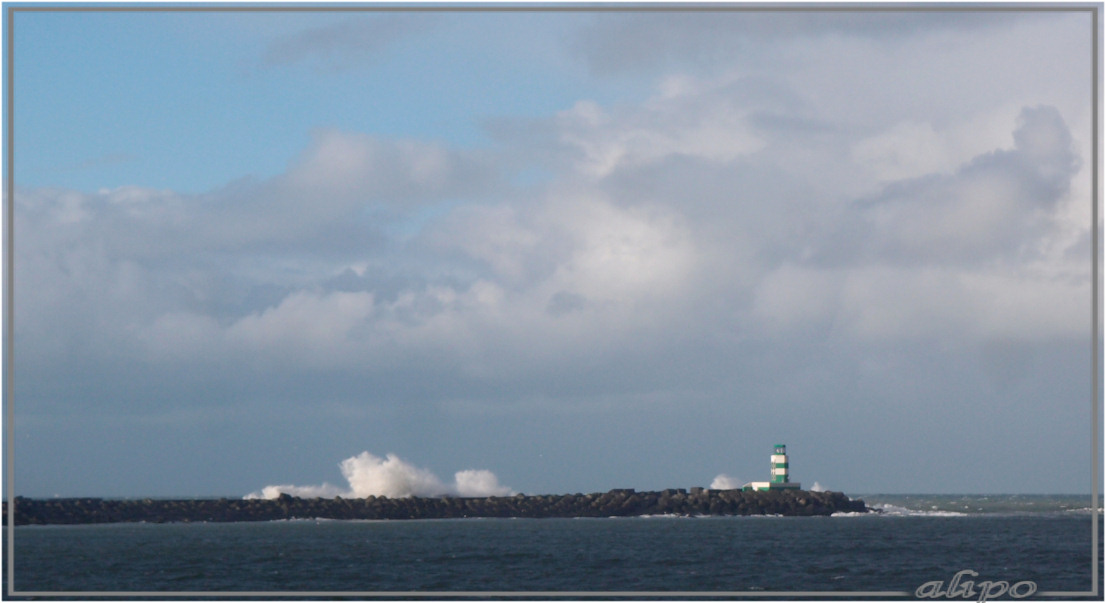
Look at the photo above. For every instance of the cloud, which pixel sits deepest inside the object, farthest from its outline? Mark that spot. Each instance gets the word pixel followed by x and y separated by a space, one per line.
pixel 619 43
pixel 954 254
pixel 344 189
pixel 495 236
pixel 347 167
pixel 326 197
pixel 343 44
pixel 318 329
pixel 622 255
pixel 563 274
pixel 172 277
pixel 912 148
pixel 718 120
pixel 584 267
pixel 603 142
pixel 994 204
pixel 376 252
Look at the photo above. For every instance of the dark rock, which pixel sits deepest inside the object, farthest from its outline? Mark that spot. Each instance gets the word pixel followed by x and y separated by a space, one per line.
pixel 618 502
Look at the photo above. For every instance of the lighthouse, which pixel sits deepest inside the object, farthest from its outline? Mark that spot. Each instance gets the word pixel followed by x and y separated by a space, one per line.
pixel 779 464
pixel 781 479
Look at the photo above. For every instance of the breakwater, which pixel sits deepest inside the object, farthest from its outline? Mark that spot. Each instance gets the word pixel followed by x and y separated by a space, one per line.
pixel 615 503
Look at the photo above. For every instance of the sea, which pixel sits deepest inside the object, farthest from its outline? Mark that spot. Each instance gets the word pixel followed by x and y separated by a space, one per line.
pixel 1026 546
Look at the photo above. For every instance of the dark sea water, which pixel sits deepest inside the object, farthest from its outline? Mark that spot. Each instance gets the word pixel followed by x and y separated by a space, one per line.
pixel 1046 540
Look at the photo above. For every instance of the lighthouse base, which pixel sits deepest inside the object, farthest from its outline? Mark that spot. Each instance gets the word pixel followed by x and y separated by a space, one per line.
pixel 771 486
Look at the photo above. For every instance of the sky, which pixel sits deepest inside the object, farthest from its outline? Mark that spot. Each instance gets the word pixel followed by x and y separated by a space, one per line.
pixel 504 251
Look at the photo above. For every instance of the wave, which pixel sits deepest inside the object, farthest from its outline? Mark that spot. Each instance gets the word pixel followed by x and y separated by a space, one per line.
pixel 889 509
pixel 961 505
pixel 391 476
pixel 895 511
pixel 726 482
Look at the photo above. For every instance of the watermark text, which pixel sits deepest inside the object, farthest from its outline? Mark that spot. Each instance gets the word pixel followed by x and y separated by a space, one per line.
pixel 959 588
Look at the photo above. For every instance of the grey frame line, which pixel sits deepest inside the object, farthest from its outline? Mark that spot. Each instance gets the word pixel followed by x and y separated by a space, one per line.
pixel 477 594
pixel 1095 10
pixel 8 286
pixel 562 6
pixel 1096 360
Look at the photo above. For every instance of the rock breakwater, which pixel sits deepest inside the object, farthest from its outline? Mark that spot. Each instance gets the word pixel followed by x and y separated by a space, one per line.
pixel 615 503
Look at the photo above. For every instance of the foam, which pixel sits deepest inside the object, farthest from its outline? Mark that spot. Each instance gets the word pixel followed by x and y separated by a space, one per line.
pixel 391 476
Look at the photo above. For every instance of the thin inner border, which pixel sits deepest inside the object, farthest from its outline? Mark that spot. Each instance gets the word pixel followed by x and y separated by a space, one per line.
pixel 9 249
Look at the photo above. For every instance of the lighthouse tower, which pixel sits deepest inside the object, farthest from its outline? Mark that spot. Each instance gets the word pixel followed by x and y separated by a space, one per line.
pixel 781 479
pixel 779 464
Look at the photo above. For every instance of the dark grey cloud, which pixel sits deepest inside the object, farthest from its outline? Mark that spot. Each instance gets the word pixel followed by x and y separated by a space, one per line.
pixel 996 206
pixel 717 38
pixel 346 43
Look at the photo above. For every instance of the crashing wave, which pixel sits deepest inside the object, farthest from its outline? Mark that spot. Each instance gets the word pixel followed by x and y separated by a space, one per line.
pixel 391 476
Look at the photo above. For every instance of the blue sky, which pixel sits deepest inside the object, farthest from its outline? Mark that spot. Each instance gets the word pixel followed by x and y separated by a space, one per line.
pixel 578 250
pixel 191 101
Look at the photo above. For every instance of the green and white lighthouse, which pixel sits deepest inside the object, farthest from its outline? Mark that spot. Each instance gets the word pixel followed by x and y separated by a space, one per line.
pixel 781 479
pixel 779 464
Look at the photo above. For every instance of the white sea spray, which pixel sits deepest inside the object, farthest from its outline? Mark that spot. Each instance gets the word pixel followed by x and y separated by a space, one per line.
pixel 391 476
pixel 725 482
